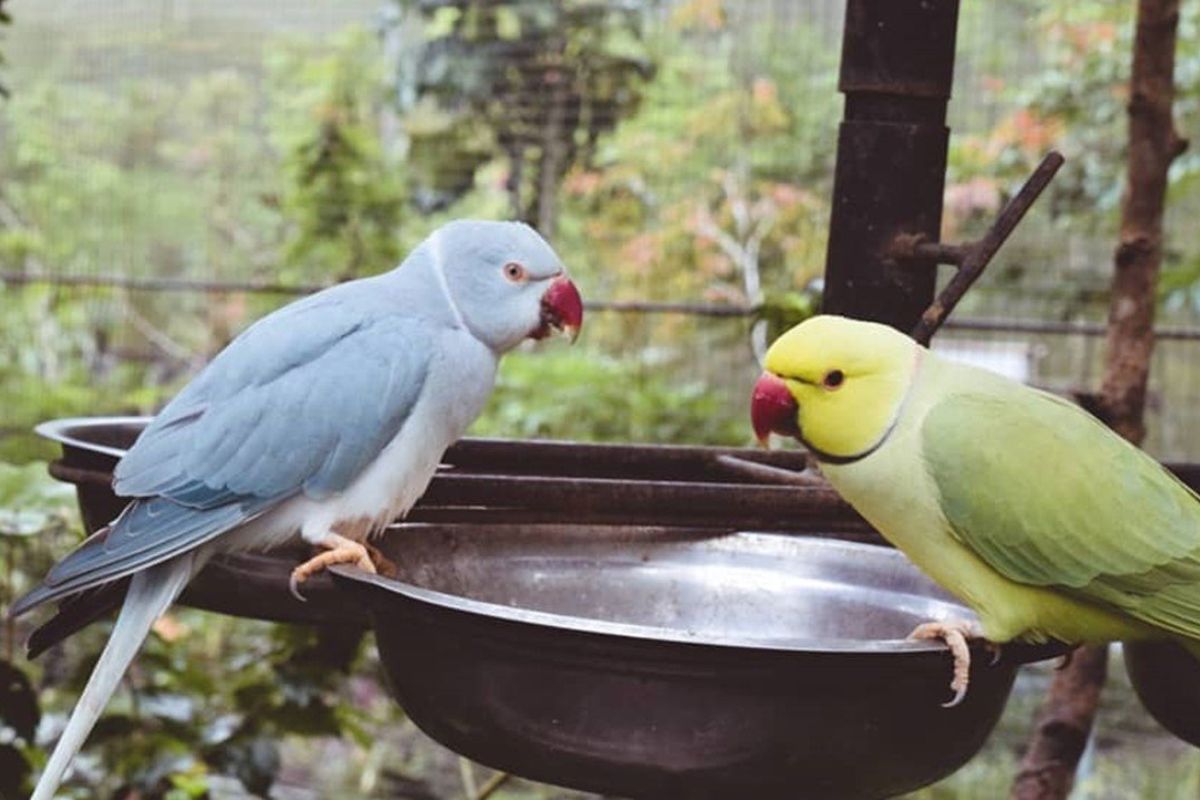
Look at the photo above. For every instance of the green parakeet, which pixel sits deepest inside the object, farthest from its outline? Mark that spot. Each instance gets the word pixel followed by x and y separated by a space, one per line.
pixel 1037 516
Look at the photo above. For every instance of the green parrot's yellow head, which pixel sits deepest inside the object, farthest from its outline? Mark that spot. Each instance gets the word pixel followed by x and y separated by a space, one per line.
pixel 836 384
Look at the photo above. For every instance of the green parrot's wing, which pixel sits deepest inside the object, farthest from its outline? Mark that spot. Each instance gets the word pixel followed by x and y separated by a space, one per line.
pixel 1048 496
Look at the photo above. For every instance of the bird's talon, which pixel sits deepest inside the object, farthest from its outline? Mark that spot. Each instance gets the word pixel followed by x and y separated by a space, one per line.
pixel 294 587
pixel 959 694
pixel 997 652
pixel 954 633
pixel 341 551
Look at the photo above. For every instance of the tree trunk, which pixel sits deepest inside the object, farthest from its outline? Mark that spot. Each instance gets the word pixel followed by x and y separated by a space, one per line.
pixel 1153 145
pixel 1064 722
pixel 1065 719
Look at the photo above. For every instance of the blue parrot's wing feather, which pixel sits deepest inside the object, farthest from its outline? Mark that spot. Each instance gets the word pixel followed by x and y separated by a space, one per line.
pixel 148 532
pixel 1047 496
pixel 303 401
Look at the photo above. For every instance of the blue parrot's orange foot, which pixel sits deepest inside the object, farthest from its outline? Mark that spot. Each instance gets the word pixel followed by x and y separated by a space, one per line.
pixel 955 633
pixel 341 551
pixel 383 565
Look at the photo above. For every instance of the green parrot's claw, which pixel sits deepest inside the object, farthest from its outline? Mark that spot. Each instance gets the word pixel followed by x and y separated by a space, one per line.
pixel 962 671
pixel 959 694
pixel 954 633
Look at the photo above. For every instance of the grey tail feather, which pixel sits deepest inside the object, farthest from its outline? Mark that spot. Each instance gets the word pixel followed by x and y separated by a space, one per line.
pixel 151 592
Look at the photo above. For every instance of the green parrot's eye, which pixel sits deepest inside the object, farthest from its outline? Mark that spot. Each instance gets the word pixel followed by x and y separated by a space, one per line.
pixel 833 379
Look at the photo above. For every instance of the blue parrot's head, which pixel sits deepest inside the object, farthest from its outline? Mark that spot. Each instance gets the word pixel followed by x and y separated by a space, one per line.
pixel 506 282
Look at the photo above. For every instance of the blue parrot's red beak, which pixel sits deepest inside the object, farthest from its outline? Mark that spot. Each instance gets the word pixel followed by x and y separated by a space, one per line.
pixel 562 309
pixel 773 409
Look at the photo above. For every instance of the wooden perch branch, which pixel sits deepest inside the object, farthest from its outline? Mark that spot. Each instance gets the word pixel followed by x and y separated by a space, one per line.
pixel 1064 723
pixel 1065 720
pixel 1153 145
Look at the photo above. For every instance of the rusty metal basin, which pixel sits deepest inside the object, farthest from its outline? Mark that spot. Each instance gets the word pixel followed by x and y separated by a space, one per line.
pixel 596 647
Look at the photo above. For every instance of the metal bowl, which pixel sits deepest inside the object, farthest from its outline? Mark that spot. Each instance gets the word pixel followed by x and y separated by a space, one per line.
pixel 638 659
pixel 1166 678
pixel 653 662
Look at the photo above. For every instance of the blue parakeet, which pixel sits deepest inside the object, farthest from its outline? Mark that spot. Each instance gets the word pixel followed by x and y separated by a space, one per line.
pixel 325 420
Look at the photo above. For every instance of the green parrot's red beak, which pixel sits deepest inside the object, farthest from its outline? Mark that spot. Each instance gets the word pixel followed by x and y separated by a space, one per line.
pixel 773 409
pixel 562 309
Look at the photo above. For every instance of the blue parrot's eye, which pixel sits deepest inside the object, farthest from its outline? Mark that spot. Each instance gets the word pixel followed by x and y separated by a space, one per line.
pixel 833 379
pixel 515 272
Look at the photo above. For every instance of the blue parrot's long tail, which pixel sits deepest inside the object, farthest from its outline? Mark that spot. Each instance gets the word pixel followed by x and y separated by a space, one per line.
pixel 151 592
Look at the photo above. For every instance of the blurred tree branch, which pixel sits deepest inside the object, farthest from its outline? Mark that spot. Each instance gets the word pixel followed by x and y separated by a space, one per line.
pixel 5 19
pixel 752 223
pixel 1065 720
pixel 534 81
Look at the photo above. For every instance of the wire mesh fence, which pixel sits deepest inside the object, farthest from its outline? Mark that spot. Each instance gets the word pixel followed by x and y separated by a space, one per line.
pixel 147 156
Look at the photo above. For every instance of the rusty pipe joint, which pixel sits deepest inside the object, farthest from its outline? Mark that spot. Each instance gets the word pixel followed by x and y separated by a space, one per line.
pixel 915 248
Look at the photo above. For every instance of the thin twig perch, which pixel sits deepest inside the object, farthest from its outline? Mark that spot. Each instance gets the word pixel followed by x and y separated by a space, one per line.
pixel 975 257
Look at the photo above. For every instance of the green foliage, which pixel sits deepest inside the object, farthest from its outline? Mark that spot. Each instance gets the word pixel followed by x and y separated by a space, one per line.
pixel 536 83
pixel 5 19
pixel 785 310
pixel 208 696
pixel 1081 95
pixel 721 176
pixel 50 366
pixel 345 195
pixel 275 682
pixel 211 697
pixel 19 717
pixel 31 502
pixel 34 510
pixel 1066 88
pixel 142 152
pixel 314 191
pixel 587 396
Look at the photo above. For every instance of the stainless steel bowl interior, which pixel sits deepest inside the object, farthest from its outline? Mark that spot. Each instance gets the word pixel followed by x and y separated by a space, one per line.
pixel 744 589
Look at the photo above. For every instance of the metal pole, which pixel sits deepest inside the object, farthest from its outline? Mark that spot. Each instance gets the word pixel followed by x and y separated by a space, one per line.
pixel 896 72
